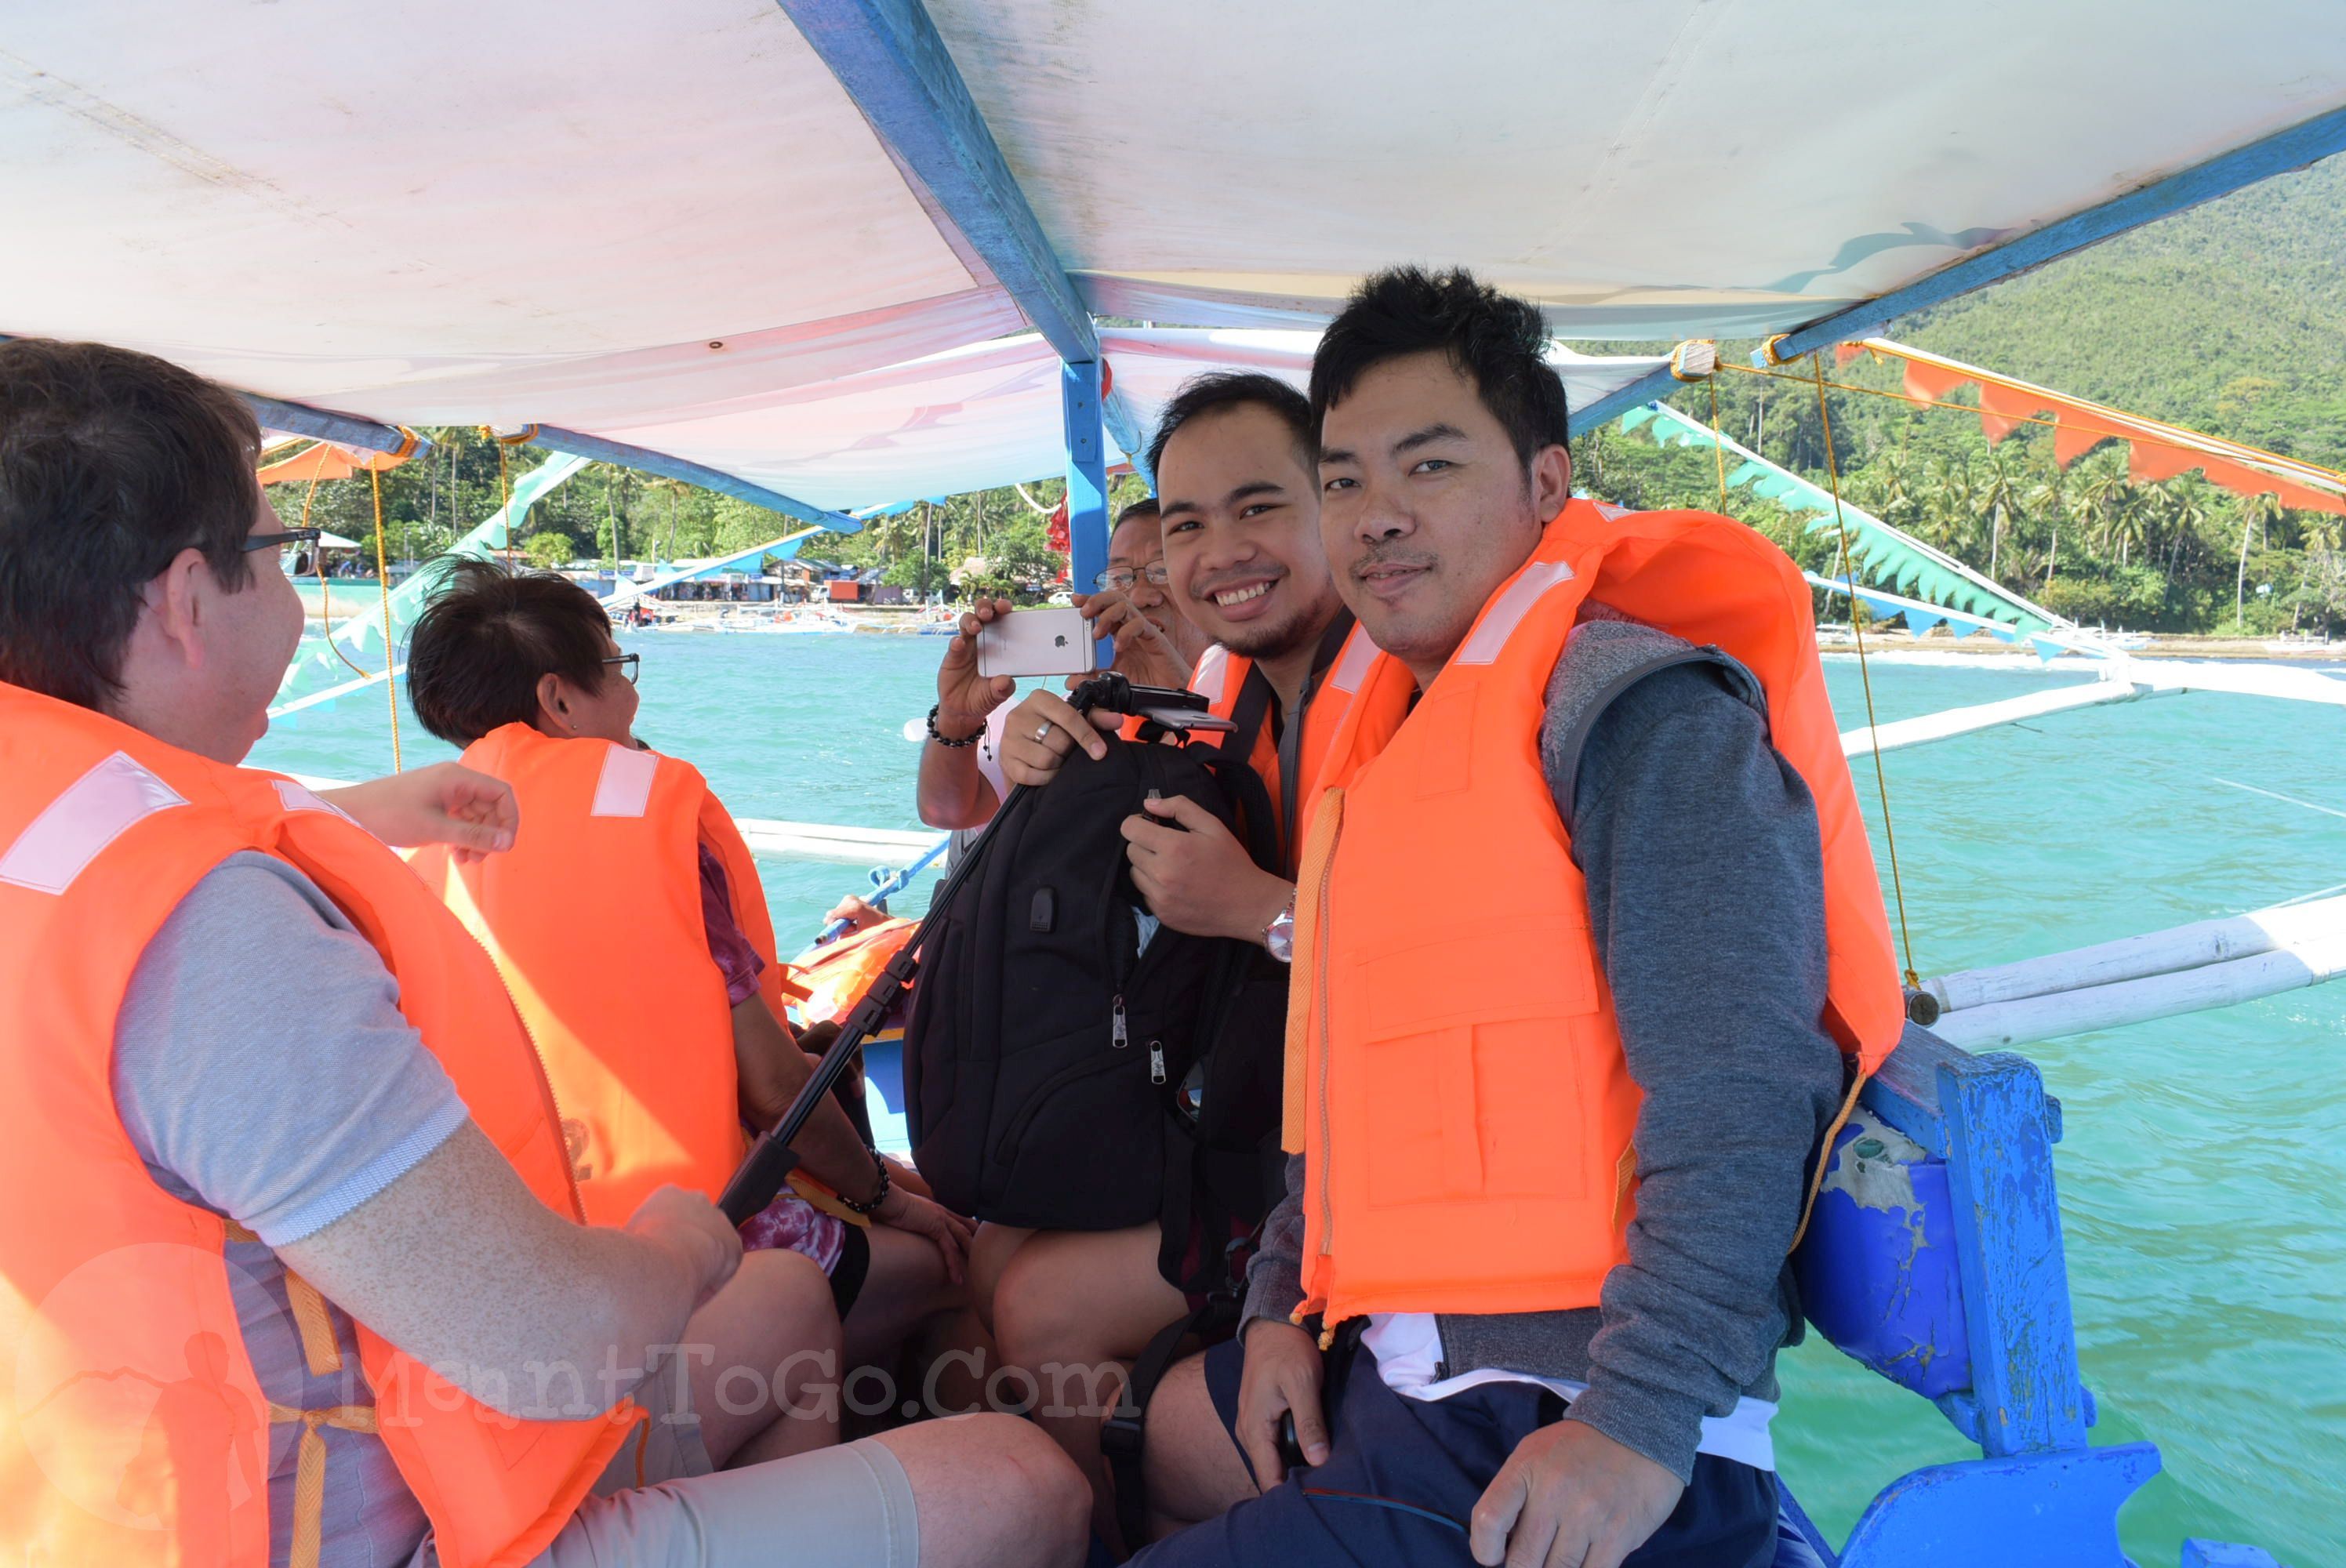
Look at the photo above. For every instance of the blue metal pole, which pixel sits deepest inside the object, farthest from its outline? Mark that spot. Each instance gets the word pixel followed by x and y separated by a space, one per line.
pixel 2277 154
pixel 325 424
pixel 1079 402
pixel 2292 148
pixel 650 462
pixel 888 55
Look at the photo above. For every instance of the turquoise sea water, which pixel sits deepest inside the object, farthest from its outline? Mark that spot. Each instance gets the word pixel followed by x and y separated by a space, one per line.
pixel 2203 1180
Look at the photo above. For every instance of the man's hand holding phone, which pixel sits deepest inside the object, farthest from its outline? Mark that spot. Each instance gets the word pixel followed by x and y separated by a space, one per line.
pixel 965 696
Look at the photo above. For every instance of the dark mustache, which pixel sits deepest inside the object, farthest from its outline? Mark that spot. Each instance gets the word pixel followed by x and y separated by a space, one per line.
pixel 1377 558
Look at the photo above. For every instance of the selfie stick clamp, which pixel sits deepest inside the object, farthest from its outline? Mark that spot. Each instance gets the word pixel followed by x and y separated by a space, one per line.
pixel 772 1158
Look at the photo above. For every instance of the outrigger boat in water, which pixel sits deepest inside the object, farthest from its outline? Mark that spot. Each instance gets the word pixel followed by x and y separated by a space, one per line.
pixel 834 254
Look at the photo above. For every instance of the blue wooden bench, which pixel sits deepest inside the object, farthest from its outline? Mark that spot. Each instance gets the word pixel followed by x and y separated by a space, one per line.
pixel 1934 1258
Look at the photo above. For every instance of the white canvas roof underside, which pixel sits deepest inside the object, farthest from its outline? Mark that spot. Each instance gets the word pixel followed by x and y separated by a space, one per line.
pixel 988 414
pixel 665 224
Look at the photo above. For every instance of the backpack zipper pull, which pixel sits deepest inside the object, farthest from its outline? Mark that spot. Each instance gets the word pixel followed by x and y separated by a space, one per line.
pixel 1117 1037
pixel 1157 1060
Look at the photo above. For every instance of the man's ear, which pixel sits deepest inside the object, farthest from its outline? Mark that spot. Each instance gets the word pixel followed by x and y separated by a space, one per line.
pixel 553 707
pixel 172 606
pixel 1551 479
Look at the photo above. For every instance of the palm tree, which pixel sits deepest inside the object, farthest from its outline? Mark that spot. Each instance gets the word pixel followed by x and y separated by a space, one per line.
pixel 2262 509
pixel 2000 497
pixel 2048 498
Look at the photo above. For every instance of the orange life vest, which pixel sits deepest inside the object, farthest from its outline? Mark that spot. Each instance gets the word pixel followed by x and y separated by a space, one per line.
pixel 1468 1143
pixel 838 973
pixel 137 1432
pixel 1222 678
pixel 594 919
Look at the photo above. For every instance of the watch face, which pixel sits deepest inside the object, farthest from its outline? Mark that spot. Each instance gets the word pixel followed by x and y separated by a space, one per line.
pixel 1278 938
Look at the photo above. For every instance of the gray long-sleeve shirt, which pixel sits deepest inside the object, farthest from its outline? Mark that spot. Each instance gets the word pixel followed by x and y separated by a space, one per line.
pixel 1700 845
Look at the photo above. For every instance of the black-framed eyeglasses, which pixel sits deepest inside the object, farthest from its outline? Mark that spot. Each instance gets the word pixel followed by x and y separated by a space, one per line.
pixel 278 542
pixel 1121 578
pixel 629 665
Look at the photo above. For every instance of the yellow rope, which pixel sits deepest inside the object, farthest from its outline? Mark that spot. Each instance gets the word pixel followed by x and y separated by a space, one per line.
pixel 504 492
pixel 1718 444
pixel 383 581
pixel 1864 675
pixel 325 593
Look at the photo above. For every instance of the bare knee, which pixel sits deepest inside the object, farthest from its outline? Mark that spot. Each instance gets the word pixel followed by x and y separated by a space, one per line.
pixel 1041 1309
pixel 1050 1487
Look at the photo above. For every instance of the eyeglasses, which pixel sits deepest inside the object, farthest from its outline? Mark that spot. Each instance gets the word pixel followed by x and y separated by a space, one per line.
pixel 278 542
pixel 1121 578
pixel 629 664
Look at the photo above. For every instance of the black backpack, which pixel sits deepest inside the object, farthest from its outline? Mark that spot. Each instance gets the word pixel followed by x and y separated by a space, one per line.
pixel 1058 1074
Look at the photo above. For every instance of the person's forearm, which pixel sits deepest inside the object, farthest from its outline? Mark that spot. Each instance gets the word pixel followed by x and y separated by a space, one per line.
pixel 457 1265
pixel 772 1072
pixel 953 792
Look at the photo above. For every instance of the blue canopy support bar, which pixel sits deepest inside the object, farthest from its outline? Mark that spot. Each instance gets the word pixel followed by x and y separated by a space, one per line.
pixel 650 462
pixel 1079 403
pixel 2299 145
pixel 325 424
pixel 888 56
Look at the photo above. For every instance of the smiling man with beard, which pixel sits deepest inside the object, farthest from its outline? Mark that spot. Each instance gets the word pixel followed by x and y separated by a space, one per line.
pixel 1240 499
pixel 1589 921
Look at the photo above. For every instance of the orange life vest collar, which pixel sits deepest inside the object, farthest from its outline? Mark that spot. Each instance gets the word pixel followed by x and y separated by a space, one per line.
pixel 1498 1113
pixel 1222 678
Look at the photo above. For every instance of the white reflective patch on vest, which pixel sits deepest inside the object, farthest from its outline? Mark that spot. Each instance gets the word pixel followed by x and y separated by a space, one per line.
pixel 1508 610
pixel 1353 664
pixel 1606 510
pixel 1213 668
pixel 295 797
pixel 97 808
pixel 625 787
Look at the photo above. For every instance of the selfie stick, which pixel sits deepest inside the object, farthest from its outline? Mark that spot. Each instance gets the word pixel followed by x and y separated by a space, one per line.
pixel 771 1158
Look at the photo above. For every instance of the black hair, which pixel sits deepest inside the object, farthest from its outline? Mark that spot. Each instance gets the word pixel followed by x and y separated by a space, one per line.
pixel 1230 388
pixel 1497 340
pixel 1145 507
pixel 479 649
pixel 111 463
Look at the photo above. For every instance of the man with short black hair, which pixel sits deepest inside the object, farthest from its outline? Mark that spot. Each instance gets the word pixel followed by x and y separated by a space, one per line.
pixel 1590 919
pixel 1240 507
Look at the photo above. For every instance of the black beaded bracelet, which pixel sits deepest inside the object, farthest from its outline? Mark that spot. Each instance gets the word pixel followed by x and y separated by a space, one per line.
pixel 970 739
pixel 878 1197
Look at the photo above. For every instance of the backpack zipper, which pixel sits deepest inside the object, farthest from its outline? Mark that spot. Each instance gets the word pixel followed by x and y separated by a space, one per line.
pixel 1157 1060
pixel 1118 1036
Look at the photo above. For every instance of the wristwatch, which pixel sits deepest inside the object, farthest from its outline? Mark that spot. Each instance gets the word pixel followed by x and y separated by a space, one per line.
pixel 1278 936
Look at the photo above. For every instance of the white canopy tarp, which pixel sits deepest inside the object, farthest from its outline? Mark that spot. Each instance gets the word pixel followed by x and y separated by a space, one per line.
pixel 987 415
pixel 618 217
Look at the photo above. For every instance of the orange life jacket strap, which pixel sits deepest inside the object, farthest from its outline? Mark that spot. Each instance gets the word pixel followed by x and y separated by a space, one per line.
pixel 310 1472
pixel 320 1349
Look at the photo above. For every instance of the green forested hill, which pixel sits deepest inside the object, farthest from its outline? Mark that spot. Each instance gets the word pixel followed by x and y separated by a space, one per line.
pixel 2230 317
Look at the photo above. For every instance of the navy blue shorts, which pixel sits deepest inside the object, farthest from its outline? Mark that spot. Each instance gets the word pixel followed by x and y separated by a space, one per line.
pixel 1403 1475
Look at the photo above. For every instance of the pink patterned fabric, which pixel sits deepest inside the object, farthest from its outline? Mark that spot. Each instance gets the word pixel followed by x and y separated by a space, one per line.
pixel 791 1223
